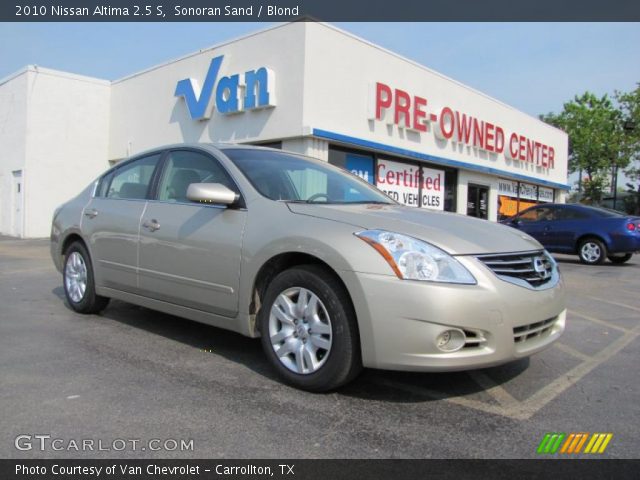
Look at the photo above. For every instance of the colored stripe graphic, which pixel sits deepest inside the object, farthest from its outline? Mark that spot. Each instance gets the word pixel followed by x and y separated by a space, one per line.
pixel 550 443
pixel 573 443
pixel 598 443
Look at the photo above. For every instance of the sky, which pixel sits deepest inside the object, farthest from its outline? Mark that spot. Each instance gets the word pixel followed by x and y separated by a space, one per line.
pixel 535 67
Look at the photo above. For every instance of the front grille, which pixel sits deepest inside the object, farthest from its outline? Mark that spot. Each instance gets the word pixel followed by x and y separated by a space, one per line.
pixel 529 268
pixel 534 330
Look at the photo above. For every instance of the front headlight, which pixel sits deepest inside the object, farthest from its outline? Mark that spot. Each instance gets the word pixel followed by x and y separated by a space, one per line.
pixel 413 259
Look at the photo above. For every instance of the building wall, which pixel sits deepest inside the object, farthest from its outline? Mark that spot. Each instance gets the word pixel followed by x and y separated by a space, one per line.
pixel 62 130
pixel 145 113
pixel 13 134
pixel 60 140
pixel 338 94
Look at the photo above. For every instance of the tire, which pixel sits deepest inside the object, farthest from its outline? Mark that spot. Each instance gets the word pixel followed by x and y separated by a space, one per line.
pixel 592 251
pixel 316 361
pixel 621 259
pixel 79 281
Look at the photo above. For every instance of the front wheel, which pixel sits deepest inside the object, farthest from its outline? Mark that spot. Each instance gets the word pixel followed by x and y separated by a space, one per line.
pixel 592 251
pixel 620 259
pixel 308 329
pixel 79 282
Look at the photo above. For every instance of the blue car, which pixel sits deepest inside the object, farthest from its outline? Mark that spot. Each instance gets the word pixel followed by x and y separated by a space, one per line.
pixel 594 234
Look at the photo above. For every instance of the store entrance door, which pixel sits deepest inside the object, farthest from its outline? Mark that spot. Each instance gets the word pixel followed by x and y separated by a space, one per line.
pixel 17 204
pixel 478 201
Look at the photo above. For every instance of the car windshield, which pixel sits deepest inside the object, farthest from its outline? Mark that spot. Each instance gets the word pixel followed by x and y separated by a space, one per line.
pixel 292 178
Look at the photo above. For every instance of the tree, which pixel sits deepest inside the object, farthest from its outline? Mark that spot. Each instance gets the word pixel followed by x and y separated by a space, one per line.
pixel 596 138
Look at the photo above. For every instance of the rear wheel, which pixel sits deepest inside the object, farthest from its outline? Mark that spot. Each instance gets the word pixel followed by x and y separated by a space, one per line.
pixel 79 282
pixel 308 329
pixel 592 251
pixel 620 258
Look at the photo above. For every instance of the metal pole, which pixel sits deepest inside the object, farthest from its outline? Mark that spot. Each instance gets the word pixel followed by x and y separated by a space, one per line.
pixel 615 186
pixel 580 181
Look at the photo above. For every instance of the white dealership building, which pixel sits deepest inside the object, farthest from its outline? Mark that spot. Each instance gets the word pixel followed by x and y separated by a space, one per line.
pixel 427 140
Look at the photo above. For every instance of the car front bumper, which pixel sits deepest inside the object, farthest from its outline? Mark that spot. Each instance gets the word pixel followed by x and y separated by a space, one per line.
pixel 400 320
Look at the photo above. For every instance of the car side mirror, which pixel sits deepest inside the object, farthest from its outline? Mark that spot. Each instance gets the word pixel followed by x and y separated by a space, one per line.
pixel 211 193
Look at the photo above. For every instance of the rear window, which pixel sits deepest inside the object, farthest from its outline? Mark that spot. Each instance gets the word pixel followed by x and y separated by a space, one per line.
pixel 602 212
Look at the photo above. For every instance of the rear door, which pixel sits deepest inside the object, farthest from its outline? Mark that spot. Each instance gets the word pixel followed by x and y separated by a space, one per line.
pixel 111 222
pixel 190 252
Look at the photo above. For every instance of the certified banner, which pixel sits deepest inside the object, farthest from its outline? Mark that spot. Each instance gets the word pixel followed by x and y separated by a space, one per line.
pixel 411 185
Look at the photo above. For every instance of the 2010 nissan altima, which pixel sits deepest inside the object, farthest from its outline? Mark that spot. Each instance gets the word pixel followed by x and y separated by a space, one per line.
pixel 329 272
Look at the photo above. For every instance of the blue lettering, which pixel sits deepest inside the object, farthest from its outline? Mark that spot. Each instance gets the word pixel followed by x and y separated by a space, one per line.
pixel 227 94
pixel 198 101
pixel 257 93
pixel 257 86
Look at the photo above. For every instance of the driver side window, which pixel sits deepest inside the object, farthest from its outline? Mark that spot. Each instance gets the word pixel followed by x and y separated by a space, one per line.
pixel 529 216
pixel 184 167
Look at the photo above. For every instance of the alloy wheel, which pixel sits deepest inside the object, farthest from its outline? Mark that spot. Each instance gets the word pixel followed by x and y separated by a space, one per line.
pixel 75 277
pixel 300 330
pixel 591 252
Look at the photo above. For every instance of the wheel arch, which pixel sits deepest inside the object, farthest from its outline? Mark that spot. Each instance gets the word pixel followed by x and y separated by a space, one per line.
pixel 585 236
pixel 279 263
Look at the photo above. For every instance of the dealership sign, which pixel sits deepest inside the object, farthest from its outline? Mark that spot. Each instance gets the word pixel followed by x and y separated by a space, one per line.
pixel 411 112
pixel 411 185
pixel 237 93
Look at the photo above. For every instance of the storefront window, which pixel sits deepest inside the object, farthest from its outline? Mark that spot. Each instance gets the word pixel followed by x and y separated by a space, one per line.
pixel 407 182
pixel 360 164
pixel 514 197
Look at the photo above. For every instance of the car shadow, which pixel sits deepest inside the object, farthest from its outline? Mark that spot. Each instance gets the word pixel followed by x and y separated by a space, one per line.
pixel 418 387
pixel 389 386
pixel 574 260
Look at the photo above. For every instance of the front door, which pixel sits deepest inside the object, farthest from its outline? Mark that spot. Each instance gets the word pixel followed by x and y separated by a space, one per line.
pixel 111 222
pixel 189 252
pixel 536 222
pixel 17 200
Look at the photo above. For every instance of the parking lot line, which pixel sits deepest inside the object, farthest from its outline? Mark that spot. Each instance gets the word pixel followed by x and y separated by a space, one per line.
pixel 525 409
pixel 572 351
pixel 435 395
pixel 597 320
pixel 617 304
pixel 503 397
pixel 542 397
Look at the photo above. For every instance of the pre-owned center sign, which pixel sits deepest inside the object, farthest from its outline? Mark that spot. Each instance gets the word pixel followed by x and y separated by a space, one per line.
pixel 411 185
pixel 410 112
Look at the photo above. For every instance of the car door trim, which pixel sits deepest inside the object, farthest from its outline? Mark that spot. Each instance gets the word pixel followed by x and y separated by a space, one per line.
pixel 187 281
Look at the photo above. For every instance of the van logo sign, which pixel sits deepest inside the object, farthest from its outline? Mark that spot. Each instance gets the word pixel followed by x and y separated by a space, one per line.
pixel 237 93
pixel 540 266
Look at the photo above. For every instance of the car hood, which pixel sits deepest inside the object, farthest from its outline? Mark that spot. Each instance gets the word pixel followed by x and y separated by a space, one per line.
pixel 453 233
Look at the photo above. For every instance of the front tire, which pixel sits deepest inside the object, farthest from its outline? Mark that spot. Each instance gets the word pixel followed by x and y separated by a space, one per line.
pixel 620 259
pixel 79 281
pixel 592 251
pixel 308 329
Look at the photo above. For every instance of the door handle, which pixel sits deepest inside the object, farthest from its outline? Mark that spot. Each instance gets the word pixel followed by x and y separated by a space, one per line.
pixel 152 225
pixel 91 213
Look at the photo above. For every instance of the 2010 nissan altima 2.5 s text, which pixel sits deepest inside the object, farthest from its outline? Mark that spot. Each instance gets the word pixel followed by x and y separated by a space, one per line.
pixel 329 272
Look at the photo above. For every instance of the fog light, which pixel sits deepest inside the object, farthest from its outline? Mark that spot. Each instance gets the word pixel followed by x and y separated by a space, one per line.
pixel 451 340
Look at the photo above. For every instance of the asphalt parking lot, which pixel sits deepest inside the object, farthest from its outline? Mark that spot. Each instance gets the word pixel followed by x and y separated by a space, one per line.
pixel 132 373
